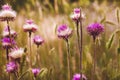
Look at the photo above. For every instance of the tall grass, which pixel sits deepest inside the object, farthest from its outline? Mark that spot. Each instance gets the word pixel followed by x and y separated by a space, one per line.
pixel 53 54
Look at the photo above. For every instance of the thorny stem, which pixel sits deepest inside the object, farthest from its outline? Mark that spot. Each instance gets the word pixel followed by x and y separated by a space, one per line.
pixel 81 43
pixel 68 59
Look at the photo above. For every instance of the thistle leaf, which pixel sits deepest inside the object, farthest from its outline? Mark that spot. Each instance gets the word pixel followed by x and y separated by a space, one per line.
pixel 110 41
pixel 118 32
pixel 118 50
pixel 109 22
pixel 43 72
pixel 103 20
pixel 21 76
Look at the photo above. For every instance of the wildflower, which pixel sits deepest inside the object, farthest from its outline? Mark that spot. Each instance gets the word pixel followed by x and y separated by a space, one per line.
pixel 7 42
pixel 95 29
pixel 11 67
pixel 38 40
pixel 63 31
pixel 16 53
pixel 76 15
pixel 78 76
pixel 6 33
pixel 7 14
pixel 30 26
pixel 35 71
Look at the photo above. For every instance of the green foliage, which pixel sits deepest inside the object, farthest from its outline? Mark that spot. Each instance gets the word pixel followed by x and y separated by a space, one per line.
pixel 110 41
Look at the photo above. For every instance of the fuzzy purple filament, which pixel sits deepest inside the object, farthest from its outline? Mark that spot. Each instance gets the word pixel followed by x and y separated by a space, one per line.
pixel 38 40
pixel 35 71
pixel 95 29
pixel 63 31
pixel 11 67
pixel 78 77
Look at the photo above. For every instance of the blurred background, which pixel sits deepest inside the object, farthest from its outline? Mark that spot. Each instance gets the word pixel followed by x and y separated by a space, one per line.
pixel 48 14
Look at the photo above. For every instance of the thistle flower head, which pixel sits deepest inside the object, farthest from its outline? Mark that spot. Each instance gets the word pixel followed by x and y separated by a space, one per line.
pixel 7 14
pixel 11 67
pixel 6 7
pixel 95 29
pixel 16 53
pixel 35 71
pixel 63 31
pixel 30 26
pixel 6 33
pixel 38 40
pixel 76 10
pixel 7 42
pixel 78 77
pixel 76 15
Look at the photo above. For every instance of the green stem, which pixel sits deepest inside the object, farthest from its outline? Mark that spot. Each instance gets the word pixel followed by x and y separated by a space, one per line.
pixel 78 37
pixel 38 56
pixel 30 52
pixel 7 53
pixel 68 59
pixel 81 43
pixel 94 56
pixel 20 77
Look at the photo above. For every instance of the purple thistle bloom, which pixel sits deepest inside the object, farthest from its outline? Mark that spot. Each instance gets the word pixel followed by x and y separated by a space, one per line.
pixel 6 7
pixel 11 67
pixel 7 42
pixel 7 14
pixel 78 76
pixel 95 29
pixel 38 40
pixel 77 10
pixel 30 26
pixel 76 15
pixel 35 71
pixel 6 33
pixel 63 31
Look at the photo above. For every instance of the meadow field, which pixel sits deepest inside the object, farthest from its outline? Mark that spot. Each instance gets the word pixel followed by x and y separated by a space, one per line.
pixel 51 56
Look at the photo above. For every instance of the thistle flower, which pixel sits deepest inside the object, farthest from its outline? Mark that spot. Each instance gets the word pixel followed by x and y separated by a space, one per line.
pixel 95 29
pixel 7 14
pixel 35 71
pixel 11 67
pixel 78 76
pixel 6 33
pixel 38 40
pixel 7 42
pixel 76 15
pixel 16 53
pixel 63 31
pixel 30 26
